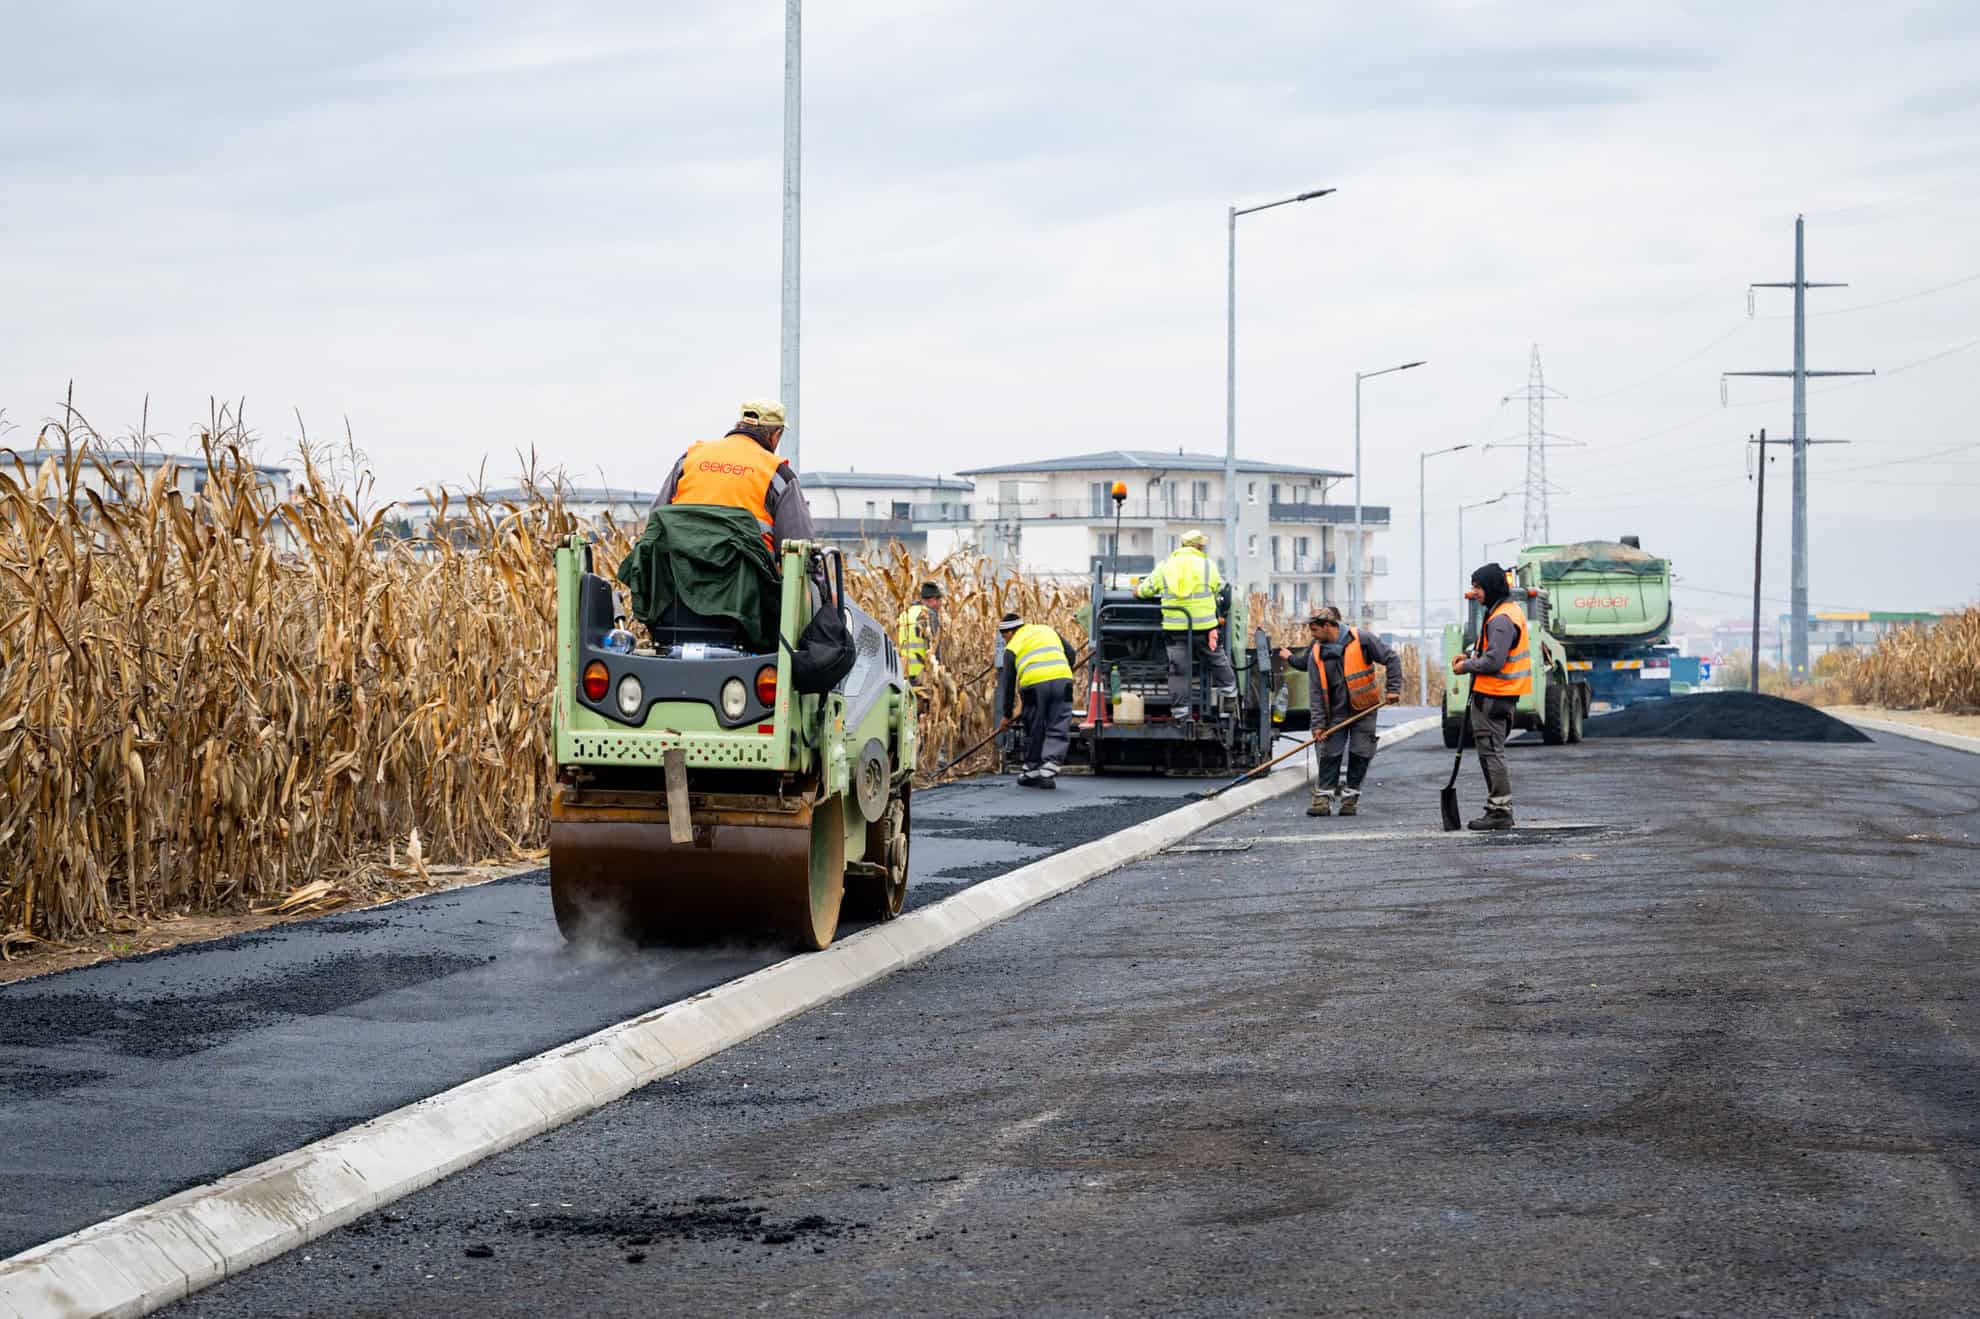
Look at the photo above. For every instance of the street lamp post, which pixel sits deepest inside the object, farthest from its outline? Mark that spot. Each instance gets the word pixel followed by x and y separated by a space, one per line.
pixel 1230 375
pixel 1462 509
pixel 1355 601
pixel 793 181
pixel 1423 570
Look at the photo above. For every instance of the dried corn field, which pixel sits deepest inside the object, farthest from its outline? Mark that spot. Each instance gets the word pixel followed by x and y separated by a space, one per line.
pixel 1919 668
pixel 215 697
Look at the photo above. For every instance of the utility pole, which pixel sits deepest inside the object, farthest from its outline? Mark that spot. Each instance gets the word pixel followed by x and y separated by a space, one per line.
pixel 793 179
pixel 1535 526
pixel 1759 533
pixel 1800 374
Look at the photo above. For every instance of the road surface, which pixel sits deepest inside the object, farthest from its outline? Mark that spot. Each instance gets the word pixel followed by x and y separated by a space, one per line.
pixel 1701 1038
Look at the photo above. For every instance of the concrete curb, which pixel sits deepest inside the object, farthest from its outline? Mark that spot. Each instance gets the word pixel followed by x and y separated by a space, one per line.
pixel 147 1258
pixel 1957 741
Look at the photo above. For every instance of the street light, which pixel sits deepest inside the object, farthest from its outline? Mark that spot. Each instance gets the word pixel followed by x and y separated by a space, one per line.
pixel 1230 377
pixel 1462 509
pixel 1354 559
pixel 1423 570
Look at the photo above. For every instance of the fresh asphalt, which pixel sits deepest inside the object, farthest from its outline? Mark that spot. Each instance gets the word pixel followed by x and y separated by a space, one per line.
pixel 125 1082
pixel 1700 1038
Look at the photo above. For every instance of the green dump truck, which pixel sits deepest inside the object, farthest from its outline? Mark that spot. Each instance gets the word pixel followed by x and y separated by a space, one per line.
pixel 1610 604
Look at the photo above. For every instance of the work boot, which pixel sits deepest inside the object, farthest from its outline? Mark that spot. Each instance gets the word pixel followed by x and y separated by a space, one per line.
pixel 1350 801
pixel 1492 820
pixel 1037 781
pixel 1322 805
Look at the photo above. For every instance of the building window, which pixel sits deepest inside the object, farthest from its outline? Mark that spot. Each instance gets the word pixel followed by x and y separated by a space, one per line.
pixel 1299 595
pixel 1275 554
pixel 872 509
pixel 1175 543
pixel 1275 492
pixel 902 511
pixel 1251 492
pixel 1199 497
pixel 1251 547
pixel 1098 490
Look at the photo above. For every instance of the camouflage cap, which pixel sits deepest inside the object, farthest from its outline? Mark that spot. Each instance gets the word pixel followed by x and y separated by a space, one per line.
pixel 763 413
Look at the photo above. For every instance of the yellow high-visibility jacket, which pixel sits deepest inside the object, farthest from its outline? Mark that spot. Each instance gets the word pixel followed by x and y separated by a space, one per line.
pixel 1186 578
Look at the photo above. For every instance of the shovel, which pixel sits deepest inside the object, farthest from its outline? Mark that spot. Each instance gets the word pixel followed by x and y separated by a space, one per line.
pixel 1447 803
pixel 947 762
pixel 1254 772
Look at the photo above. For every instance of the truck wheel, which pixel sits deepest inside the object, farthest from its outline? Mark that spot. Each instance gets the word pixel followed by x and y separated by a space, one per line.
pixel 1577 711
pixel 1453 729
pixel 1554 722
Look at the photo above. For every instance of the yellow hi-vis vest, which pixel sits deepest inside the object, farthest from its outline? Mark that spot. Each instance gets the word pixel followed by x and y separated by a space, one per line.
pixel 1516 678
pixel 1186 578
pixel 1039 656
pixel 912 639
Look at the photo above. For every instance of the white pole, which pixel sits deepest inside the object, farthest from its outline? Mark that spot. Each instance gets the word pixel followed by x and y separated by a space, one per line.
pixel 1354 556
pixel 1230 406
pixel 1422 587
pixel 793 176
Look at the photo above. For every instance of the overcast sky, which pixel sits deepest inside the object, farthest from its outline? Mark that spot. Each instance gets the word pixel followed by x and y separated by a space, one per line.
pixel 476 228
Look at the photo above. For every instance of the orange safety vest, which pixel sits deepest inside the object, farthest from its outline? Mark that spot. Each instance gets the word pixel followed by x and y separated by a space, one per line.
pixel 1516 678
pixel 732 472
pixel 1355 669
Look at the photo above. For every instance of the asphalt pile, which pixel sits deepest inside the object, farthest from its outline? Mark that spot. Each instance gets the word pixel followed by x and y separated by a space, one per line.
pixel 1725 717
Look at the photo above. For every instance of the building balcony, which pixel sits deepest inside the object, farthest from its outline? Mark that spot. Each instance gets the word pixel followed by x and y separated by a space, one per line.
pixel 858 529
pixel 1071 510
pixel 1304 565
pixel 1372 515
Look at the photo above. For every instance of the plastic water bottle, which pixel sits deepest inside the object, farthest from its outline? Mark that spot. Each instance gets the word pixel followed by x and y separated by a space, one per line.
pixel 620 640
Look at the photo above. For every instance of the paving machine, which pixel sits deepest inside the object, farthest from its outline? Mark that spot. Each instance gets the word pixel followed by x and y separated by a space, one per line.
pixel 1129 720
pixel 699 794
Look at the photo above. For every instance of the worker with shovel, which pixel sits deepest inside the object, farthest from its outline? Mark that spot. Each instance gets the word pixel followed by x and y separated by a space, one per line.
pixel 1501 669
pixel 1340 666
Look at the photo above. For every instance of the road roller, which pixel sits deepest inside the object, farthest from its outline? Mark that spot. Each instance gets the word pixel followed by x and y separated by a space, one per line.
pixel 699 794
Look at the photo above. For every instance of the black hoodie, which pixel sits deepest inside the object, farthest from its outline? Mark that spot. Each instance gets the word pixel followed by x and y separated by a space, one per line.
pixel 1502 634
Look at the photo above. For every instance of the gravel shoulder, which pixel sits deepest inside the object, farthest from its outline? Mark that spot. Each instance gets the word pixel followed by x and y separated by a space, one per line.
pixel 1700 1038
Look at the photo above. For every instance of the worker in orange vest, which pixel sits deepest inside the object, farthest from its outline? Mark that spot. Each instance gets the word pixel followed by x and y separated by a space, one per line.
pixel 742 470
pixel 1340 666
pixel 1501 669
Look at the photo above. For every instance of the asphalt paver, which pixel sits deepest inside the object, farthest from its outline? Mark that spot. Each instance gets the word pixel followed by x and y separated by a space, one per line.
pixel 1699 1038
pixel 128 1081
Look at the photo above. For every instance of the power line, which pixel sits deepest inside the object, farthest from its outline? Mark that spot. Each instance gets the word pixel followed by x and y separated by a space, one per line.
pixel 1885 302
pixel 1682 361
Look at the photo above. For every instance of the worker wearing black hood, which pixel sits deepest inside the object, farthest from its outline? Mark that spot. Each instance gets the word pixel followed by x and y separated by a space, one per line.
pixel 1501 669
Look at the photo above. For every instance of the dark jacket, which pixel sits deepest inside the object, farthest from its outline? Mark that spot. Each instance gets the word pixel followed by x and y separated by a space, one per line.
pixel 1373 649
pixel 714 562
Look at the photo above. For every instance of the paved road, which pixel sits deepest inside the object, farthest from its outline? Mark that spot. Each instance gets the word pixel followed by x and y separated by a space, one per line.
pixel 123 1083
pixel 1704 1044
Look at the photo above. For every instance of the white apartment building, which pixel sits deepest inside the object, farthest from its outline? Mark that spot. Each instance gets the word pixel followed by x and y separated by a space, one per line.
pixel 414 518
pixel 852 509
pixel 1055 517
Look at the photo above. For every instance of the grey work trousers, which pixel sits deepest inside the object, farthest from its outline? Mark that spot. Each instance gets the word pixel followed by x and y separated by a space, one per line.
pixel 1357 742
pixel 1183 666
pixel 1048 708
pixel 1491 725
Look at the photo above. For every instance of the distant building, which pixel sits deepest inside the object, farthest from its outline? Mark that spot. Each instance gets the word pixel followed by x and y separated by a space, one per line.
pixel 189 470
pixel 1056 517
pixel 598 505
pixel 853 509
pixel 1846 630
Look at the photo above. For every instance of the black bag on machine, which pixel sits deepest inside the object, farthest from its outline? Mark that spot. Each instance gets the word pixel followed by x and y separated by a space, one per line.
pixel 824 653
